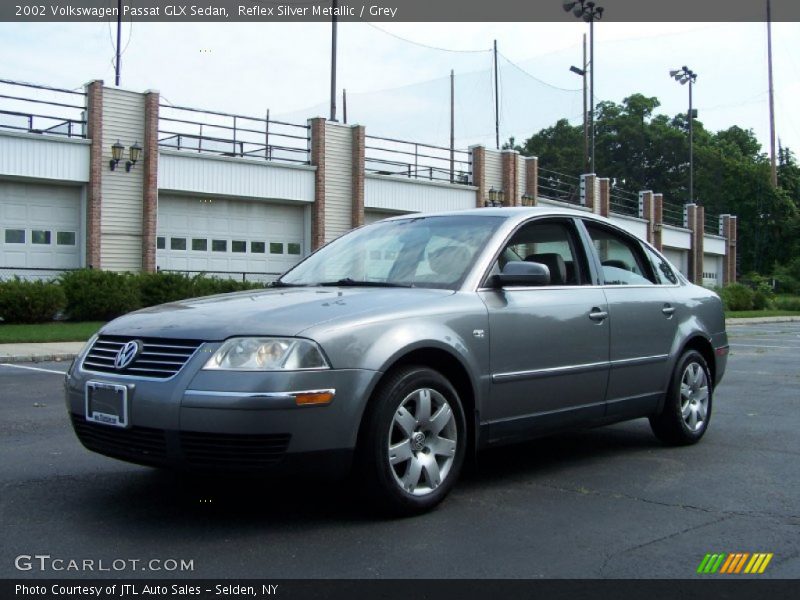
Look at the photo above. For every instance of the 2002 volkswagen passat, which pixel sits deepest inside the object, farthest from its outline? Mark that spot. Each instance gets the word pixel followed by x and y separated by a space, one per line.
pixel 405 346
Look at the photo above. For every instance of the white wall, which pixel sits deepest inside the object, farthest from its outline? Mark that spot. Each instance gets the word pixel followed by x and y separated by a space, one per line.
pixel 240 177
pixel 634 225
pixel 37 156
pixel 676 237
pixel 494 170
pixel 338 180
pixel 397 194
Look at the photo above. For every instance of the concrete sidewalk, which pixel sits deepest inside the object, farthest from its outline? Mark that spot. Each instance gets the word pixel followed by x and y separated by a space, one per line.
pixel 11 353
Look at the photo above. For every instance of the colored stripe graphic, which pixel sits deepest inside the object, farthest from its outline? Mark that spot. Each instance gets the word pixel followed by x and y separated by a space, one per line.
pixel 734 563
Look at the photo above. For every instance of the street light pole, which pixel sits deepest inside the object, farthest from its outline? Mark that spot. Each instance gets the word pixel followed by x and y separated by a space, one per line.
pixel 589 12
pixel 683 76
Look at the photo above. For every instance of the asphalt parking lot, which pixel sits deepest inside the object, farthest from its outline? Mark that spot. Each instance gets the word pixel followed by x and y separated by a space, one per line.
pixel 608 503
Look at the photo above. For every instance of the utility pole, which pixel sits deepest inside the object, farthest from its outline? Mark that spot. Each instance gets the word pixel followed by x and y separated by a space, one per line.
pixel 496 101
pixel 119 38
pixel 334 5
pixel 344 105
pixel 585 111
pixel 452 125
pixel 773 165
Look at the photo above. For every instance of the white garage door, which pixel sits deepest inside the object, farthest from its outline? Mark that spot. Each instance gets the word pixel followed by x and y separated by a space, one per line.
pixel 40 227
pixel 228 236
pixel 678 258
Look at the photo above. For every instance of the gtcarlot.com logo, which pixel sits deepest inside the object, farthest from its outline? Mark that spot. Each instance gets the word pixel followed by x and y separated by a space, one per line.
pixel 737 563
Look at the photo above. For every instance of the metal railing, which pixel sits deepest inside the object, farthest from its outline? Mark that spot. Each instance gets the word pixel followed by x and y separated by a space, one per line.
pixel 34 108
pixel 672 214
pixel 623 202
pixel 254 276
pixel 712 224
pixel 226 134
pixel 387 156
pixel 559 186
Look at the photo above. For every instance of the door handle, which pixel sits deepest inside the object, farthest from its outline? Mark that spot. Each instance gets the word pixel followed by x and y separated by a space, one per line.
pixel 668 310
pixel 598 315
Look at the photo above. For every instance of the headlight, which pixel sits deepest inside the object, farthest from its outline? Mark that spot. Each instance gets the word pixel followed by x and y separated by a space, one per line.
pixel 267 354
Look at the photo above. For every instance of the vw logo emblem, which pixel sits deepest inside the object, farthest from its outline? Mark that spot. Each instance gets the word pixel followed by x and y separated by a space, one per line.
pixel 127 354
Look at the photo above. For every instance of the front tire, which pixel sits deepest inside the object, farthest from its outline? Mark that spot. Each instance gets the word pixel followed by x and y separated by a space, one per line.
pixel 414 441
pixel 687 408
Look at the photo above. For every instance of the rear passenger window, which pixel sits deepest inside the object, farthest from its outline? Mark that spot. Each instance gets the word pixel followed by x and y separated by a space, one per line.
pixel 663 271
pixel 621 257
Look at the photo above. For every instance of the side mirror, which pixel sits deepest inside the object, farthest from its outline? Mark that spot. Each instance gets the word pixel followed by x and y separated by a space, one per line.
pixel 522 273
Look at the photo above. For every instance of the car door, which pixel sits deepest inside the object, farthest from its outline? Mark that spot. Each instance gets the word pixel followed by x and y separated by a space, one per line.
pixel 549 344
pixel 642 324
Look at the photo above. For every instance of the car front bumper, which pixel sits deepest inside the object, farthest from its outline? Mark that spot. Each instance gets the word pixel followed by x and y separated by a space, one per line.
pixel 228 421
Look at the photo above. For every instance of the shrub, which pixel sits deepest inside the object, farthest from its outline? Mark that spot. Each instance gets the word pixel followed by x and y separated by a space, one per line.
pixel 208 286
pixel 737 296
pixel 787 303
pixel 159 288
pixel 788 276
pixel 24 301
pixel 94 295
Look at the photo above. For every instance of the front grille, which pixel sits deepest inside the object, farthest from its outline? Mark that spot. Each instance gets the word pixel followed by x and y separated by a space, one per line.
pixel 139 444
pixel 159 358
pixel 233 450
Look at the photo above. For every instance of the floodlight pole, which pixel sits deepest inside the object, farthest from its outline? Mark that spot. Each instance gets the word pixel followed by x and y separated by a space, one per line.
pixel 691 143
pixel 591 92
pixel 119 38
pixel 773 167
pixel 334 5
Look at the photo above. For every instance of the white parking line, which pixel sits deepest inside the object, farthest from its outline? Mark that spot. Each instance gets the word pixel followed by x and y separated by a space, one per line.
pixel 33 369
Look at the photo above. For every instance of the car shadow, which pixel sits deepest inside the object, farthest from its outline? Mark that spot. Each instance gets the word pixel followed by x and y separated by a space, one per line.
pixel 243 502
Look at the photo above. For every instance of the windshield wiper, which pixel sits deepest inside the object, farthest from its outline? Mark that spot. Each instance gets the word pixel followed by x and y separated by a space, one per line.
pixel 349 282
pixel 282 284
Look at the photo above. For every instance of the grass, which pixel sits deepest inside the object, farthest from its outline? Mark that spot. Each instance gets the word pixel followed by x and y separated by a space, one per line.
pixel 747 314
pixel 62 331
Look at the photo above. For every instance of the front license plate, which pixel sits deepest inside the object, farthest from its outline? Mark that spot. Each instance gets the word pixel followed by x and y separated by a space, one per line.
pixel 107 404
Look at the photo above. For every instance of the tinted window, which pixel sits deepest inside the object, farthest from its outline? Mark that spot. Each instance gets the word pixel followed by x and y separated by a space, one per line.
pixel 663 271
pixel 219 245
pixel 551 243
pixel 199 244
pixel 177 243
pixel 238 246
pixel 258 247
pixel 161 242
pixel 15 236
pixel 620 256
pixel 65 238
pixel 40 236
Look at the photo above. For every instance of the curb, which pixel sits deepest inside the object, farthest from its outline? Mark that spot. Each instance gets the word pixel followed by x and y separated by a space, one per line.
pixel 35 358
pixel 754 320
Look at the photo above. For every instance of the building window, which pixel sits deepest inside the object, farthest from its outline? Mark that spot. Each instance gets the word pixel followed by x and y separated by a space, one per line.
pixel 177 243
pixel 65 238
pixel 15 236
pixel 293 248
pixel 258 247
pixel 40 236
pixel 219 245
pixel 275 248
pixel 161 242
pixel 200 244
pixel 238 246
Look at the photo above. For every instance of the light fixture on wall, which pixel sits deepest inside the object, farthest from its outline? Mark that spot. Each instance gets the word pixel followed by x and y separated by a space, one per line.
pixel 116 154
pixel 135 154
pixel 117 150
pixel 495 198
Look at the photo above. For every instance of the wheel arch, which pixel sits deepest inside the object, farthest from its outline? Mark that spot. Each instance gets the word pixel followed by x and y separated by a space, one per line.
pixel 451 367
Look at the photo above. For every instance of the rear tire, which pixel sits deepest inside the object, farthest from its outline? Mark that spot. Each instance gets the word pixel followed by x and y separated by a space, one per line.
pixel 414 441
pixel 687 407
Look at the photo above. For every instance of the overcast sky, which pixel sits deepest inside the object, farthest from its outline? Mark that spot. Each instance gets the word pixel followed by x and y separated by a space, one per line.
pixel 246 68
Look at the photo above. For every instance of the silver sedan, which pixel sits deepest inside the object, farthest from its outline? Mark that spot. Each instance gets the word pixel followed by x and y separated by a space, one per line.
pixel 404 347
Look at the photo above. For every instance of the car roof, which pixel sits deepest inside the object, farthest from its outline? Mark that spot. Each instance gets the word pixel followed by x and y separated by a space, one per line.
pixel 512 213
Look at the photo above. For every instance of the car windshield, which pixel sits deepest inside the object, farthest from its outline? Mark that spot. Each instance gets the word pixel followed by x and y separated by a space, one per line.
pixel 431 252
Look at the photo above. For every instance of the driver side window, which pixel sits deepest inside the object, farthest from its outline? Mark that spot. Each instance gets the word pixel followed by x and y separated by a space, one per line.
pixel 551 243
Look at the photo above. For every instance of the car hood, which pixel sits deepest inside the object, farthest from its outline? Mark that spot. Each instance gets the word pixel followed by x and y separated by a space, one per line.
pixel 280 312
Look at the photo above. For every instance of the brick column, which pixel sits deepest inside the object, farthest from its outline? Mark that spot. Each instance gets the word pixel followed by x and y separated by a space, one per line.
pixel 532 178
pixel 728 230
pixel 603 205
pixel 94 193
pixel 694 220
pixel 512 197
pixel 479 173
pixel 588 190
pixel 317 132
pixel 150 182
pixel 646 211
pixel 658 221
pixel 359 140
